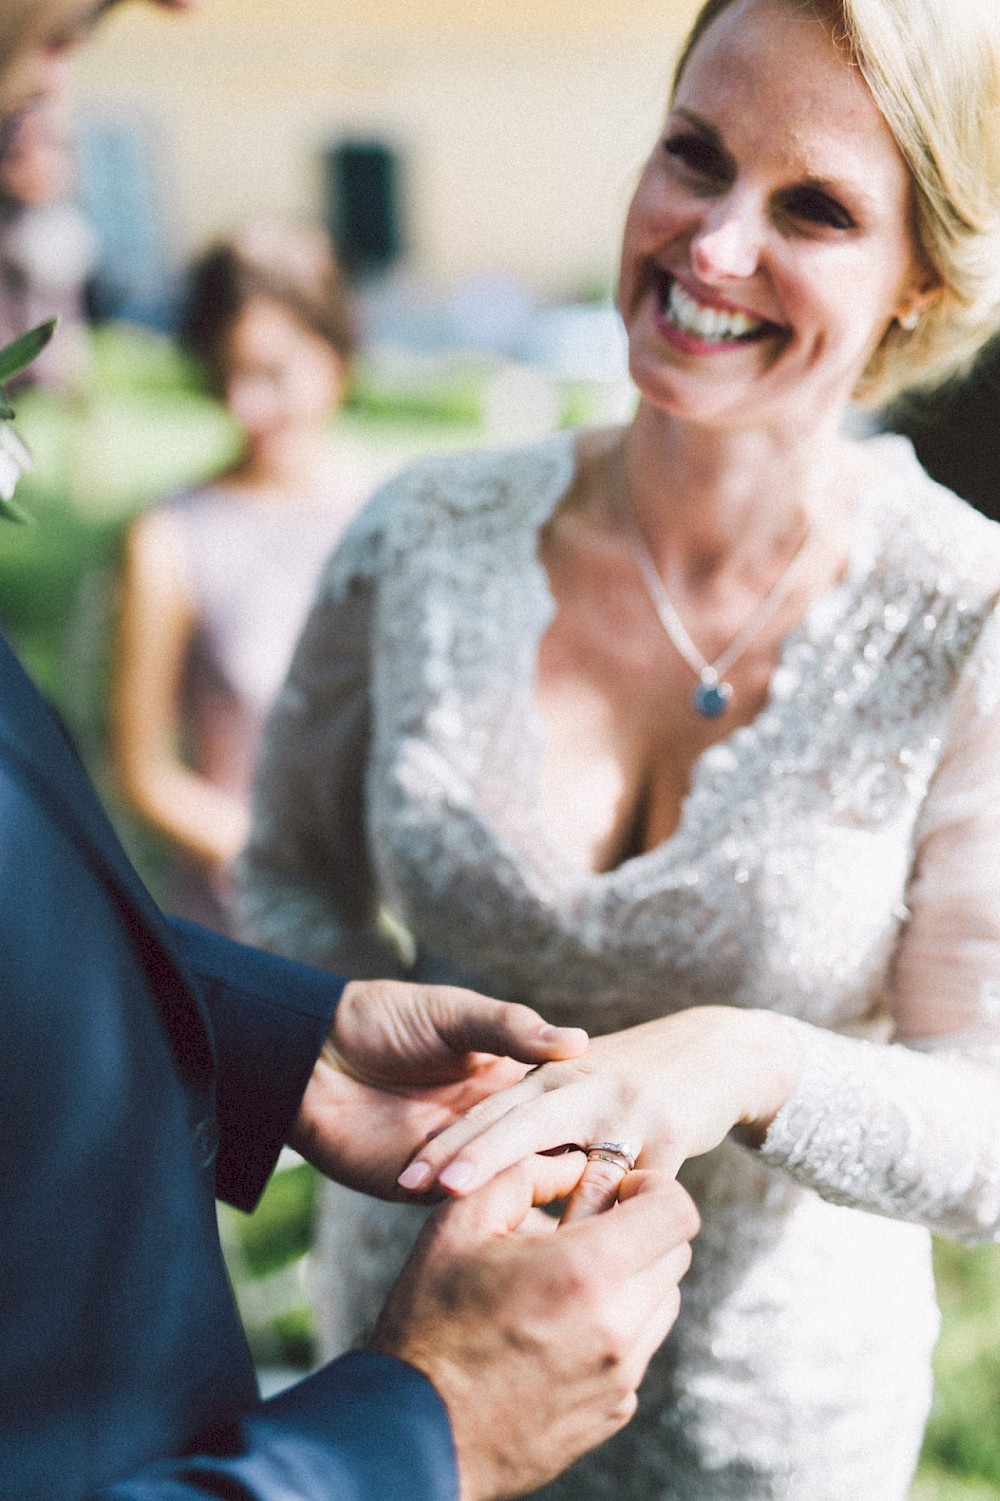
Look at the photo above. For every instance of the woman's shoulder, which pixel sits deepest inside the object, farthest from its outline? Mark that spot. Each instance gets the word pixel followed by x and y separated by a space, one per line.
pixel 931 536
pixel 448 498
pixel 480 479
pixel 195 511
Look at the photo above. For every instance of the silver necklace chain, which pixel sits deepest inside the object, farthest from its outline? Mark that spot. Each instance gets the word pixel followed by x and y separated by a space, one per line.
pixel 712 693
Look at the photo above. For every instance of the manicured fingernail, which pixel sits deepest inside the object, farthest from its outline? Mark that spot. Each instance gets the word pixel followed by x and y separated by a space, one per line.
pixel 457 1176
pixel 415 1176
pixel 558 1034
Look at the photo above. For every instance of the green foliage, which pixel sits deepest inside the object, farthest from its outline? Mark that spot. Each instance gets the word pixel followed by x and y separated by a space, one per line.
pixel 293 1332
pixel 268 1255
pixel 280 1228
pixel 15 356
pixel 937 1485
pixel 963 1436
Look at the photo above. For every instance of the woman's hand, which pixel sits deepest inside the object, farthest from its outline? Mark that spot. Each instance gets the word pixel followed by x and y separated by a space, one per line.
pixel 404 1061
pixel 667 1090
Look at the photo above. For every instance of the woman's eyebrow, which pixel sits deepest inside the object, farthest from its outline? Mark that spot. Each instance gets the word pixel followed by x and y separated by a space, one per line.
pixel 701 126
pixel 819 180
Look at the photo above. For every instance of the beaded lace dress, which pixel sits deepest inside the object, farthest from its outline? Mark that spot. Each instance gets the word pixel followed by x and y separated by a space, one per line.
pixel 837 860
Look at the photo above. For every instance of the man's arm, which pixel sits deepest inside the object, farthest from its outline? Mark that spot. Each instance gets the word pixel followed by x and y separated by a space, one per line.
pixel 368 1427
pixel 269 1017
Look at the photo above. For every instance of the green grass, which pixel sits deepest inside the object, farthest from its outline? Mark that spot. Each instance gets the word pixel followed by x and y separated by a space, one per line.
pixel 963 1436
pixel 937 1485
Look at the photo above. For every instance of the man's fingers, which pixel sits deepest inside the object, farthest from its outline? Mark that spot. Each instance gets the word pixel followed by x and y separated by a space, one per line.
pixel 596 1191
pixel 538 1223
pixel 654 1216
pixel 657 1294
pixel 472 1023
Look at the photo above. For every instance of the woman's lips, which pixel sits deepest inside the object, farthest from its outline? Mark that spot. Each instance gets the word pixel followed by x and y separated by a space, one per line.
pixel 708 323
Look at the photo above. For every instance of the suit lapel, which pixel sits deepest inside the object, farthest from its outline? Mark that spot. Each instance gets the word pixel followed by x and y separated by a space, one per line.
pixel 39 750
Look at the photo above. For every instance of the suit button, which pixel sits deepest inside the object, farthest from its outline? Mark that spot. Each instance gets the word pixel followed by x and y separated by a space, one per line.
pixel 206 1141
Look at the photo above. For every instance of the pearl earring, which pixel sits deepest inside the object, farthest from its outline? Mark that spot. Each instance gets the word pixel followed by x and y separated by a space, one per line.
pixel 909 320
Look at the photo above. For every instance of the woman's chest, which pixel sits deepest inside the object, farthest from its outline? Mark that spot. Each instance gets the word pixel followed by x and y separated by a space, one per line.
pixel 620 736
pixel 782 883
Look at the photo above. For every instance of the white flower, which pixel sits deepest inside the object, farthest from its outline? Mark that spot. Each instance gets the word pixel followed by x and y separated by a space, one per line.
pixel 15 460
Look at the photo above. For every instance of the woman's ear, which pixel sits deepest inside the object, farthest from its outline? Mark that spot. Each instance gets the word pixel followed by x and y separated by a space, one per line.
pixel 923 292
pixel 910 313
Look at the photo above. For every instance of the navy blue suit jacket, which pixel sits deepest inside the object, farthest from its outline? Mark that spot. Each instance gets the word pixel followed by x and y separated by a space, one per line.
pixel 146 1066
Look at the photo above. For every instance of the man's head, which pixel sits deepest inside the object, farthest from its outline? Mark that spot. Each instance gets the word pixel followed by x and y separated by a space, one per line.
pixel 36 39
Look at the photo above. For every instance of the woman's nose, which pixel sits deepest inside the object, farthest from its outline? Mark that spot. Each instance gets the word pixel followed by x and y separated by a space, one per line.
pixel 727 245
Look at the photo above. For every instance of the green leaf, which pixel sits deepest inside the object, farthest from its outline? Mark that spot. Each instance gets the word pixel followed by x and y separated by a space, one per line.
pixel 11 511
pixel 14 357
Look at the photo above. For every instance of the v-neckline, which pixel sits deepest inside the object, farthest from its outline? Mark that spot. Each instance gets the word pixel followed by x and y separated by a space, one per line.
pixel 824 613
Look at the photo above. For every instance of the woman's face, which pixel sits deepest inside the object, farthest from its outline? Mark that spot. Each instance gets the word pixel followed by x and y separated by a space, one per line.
pixel 769 243
pixel 279 376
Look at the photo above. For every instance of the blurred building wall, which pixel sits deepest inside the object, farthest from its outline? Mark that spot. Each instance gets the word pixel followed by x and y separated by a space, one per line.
pixel 520 124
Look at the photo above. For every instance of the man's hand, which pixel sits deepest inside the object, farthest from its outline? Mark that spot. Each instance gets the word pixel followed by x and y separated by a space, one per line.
pixel 404 1061
pixel 537 1343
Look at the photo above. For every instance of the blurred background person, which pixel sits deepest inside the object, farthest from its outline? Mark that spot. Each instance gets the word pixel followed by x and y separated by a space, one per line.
pixel 37 41
pixel 48 249
pixel 217 581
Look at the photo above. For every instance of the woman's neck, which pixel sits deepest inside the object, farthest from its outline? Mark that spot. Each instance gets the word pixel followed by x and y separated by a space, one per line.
pixel 706 500
pixel 297 463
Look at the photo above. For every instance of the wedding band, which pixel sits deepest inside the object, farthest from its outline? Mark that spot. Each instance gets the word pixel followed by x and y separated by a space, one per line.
pixel 615 1152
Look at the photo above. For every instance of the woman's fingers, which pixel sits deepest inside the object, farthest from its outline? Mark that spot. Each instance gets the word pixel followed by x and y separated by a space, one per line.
pixel 540 1114
pixel 440 1151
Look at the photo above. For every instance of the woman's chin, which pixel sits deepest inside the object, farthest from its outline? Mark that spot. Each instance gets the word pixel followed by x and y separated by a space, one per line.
pixel 695 397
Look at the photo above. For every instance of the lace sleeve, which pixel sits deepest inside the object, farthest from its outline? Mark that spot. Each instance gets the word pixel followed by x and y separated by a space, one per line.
pixel 912 1128
pixel 304 885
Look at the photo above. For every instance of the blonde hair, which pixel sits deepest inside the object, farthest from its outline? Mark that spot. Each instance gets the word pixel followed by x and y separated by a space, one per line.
pixel 933 68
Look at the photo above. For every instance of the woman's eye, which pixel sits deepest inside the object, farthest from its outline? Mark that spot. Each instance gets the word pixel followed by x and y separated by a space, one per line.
pixel 816 207
pixel 696 155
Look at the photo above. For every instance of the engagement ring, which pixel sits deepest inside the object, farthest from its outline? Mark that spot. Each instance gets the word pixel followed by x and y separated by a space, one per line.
pixel 615 1152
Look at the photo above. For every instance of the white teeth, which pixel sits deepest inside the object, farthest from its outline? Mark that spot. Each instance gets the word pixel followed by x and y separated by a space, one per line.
pixel 711 324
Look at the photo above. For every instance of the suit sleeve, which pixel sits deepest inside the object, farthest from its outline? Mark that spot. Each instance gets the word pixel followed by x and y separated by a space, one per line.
pixel 269 1019
pixel 365 1428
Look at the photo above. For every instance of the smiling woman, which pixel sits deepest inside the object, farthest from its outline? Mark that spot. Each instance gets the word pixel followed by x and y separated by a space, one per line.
pixel 778 197
pixel 687 733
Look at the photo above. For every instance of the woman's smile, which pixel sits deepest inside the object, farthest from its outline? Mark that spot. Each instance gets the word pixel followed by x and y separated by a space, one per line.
pixel 698 321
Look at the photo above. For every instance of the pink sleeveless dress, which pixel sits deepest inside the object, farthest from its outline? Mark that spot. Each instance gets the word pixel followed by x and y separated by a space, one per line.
pixel 251 566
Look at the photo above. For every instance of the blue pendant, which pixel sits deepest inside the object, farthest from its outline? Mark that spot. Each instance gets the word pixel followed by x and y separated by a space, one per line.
pixel 711 698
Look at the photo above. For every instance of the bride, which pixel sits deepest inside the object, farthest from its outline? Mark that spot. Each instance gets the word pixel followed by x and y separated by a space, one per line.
pixel 689 734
